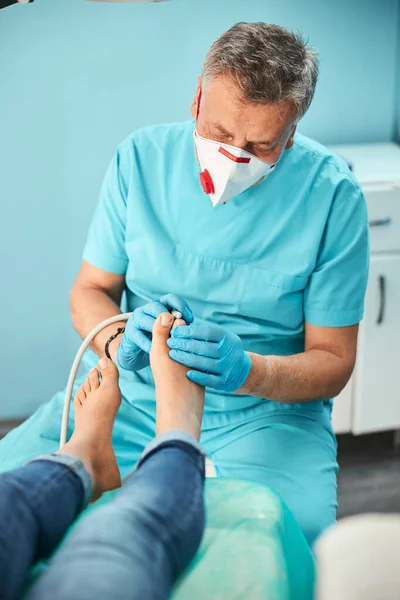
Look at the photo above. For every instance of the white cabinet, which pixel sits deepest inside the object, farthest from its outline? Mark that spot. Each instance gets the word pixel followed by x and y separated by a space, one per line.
pixel 384 217
pixel 376 397
pixel 371 400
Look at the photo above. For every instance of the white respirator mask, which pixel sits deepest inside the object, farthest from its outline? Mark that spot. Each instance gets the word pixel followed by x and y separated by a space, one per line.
pixel 227 170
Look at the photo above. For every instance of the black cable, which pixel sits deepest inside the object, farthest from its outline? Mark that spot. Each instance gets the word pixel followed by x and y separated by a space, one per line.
pixel 6 3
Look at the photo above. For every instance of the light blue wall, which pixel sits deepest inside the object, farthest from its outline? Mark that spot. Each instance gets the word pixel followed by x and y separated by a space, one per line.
pixel 76 77
pixel 397 108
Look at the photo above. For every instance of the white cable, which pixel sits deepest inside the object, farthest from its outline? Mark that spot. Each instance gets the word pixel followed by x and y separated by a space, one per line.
pixel 75 367
pixel 210 469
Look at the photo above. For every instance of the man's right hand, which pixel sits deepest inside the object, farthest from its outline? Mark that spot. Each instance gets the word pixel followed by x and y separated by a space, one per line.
pixel 133 352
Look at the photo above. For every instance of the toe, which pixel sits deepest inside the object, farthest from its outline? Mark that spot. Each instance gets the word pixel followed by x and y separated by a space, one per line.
pixel 178 322
pixel 80 395
pixel 94 379
pixel 108 370
pixel 161 332
pixel 86 386
pixel 162 327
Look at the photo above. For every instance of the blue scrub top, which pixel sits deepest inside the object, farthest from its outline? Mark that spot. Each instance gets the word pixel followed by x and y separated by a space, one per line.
pixel 291 249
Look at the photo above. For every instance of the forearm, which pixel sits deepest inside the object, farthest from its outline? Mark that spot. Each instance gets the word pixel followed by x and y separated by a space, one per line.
pixel 311 375
pixel 90 306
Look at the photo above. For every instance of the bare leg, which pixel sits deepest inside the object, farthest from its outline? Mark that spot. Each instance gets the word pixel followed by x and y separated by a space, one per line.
pixel 96 405
pixel 180 402
pixel 137 545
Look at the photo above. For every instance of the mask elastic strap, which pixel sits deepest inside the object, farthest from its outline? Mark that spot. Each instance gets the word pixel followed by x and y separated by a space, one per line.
pixel 198 106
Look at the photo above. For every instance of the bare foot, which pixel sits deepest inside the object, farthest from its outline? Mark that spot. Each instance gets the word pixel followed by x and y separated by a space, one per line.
pixel 96 405
pixel 180 402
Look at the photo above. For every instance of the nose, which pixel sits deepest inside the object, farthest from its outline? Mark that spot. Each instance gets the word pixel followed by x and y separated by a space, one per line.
pixel 240 143
pixel 243 145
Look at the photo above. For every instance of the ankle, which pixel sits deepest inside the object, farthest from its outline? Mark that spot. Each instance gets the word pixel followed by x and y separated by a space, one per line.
pixel 171 418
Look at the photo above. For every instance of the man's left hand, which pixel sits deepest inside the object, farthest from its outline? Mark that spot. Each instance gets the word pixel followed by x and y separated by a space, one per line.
pixel 216 355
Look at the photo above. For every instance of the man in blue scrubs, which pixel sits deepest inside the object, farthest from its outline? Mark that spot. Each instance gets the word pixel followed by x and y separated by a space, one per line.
pixel 259 237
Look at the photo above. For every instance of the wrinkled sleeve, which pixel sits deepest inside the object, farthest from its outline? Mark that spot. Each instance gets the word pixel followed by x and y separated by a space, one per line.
pixel 335 293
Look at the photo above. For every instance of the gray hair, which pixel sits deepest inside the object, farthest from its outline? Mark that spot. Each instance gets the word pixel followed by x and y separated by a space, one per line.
pixel 269 64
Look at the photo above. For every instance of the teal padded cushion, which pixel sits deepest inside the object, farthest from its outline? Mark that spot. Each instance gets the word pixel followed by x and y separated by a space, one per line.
pixel 252 548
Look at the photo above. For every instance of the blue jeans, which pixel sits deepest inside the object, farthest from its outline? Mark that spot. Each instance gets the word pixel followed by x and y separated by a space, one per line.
pixel 133 547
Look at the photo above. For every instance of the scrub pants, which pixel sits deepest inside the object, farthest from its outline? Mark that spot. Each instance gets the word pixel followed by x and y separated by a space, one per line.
pixel 133 547
pixel 290 448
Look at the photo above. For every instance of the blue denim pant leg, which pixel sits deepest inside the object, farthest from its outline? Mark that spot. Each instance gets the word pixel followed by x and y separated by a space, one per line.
pixel 135 546
pixel 38 502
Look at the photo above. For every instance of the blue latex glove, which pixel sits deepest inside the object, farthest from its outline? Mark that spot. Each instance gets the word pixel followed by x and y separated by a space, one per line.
pixel 216 355
pixel 133 352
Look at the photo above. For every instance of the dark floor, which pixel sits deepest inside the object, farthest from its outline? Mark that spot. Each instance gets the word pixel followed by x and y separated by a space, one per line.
pixel 369 476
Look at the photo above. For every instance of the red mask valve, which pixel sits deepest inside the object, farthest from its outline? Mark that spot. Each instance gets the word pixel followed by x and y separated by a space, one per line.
pixel 207 182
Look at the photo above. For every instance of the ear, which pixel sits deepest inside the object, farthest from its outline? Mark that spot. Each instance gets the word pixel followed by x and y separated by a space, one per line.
pixel 290 141
pixel 195 103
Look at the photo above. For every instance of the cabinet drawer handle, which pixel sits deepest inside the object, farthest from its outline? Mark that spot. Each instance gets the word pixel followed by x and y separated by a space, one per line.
pixel 382 294
pixel 380 222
